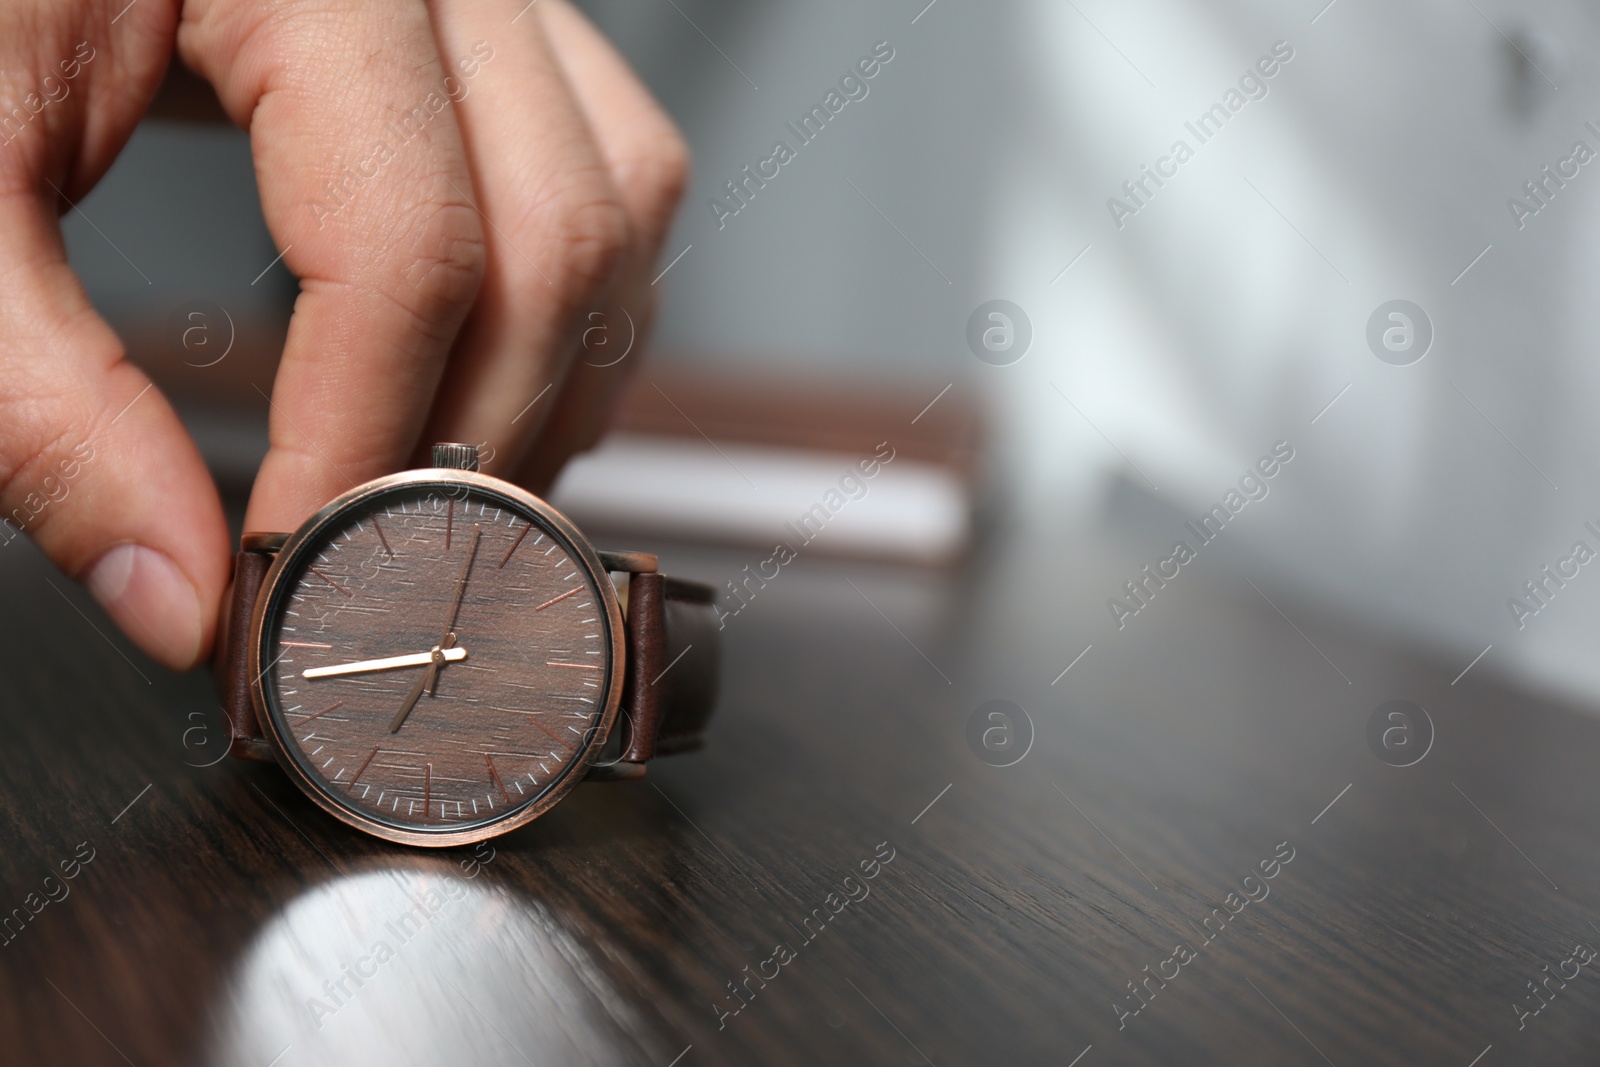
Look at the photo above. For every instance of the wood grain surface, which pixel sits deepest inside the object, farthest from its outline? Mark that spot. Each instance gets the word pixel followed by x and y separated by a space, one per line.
pixel 223 919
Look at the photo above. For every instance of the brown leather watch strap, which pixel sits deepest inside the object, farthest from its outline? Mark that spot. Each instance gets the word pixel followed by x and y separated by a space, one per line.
pixel 670 678
pixel 229 669
pixel 674 660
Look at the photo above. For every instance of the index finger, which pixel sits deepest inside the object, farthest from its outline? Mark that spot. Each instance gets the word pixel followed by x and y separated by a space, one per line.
pixel 365 186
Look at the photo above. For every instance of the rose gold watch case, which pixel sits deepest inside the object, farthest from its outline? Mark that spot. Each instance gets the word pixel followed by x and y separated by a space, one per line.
pixel 283 565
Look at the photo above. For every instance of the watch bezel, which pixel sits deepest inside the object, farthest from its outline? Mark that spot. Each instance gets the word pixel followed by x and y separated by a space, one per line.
pixel 310 531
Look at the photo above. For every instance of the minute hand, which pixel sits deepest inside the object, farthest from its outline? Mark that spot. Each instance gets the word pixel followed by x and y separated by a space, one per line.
pixel 429 678
pixel 413 659
pixel 461 585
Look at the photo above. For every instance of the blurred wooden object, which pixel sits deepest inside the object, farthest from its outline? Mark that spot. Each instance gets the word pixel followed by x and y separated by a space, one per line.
pixel 805 414
pixel 888 471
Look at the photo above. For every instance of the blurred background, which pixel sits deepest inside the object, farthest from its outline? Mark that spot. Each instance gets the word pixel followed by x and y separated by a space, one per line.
pixel 1160 335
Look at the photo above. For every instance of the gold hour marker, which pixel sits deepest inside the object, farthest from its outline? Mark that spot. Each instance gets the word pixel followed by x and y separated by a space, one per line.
pixel 427 791
pixel 382 538
pixel 574 591
pixel 324 711
pixel 552 736
pixel 374 752
pixel 449 523
pixel 330 581
pixel 494 776
pixel 515 544
pixel 573 666
pixel 302 644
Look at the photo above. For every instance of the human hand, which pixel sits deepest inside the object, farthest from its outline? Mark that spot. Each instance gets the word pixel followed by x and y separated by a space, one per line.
pixel 457 184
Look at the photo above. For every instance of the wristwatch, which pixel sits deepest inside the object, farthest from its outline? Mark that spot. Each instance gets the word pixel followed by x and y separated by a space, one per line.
pixel 439 656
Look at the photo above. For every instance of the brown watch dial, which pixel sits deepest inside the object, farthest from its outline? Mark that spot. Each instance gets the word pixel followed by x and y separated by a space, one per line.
pixel 437 655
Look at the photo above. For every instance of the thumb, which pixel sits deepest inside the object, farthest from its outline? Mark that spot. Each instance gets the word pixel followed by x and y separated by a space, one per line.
pixel 94 465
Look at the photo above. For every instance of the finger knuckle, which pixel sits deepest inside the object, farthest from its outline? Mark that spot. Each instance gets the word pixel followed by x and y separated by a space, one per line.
pixel 443 266
pixel 591 238
pixel 47 434
pixel 662 175
pixel 29 460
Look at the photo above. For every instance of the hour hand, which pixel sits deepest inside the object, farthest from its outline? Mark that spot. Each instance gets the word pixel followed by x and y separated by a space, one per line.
pixel 428 679
pixel 414 659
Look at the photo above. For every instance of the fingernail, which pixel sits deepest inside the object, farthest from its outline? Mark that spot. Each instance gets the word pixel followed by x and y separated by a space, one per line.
pixel 151 600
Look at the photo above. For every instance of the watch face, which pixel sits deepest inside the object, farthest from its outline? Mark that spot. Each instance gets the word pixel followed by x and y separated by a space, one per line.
pixel 438 656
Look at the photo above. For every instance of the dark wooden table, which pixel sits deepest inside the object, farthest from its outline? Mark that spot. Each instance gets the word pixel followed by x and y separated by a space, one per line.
pixel 217 917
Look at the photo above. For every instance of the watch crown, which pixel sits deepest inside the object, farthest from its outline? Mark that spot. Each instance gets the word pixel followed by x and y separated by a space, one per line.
pixel 457 456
